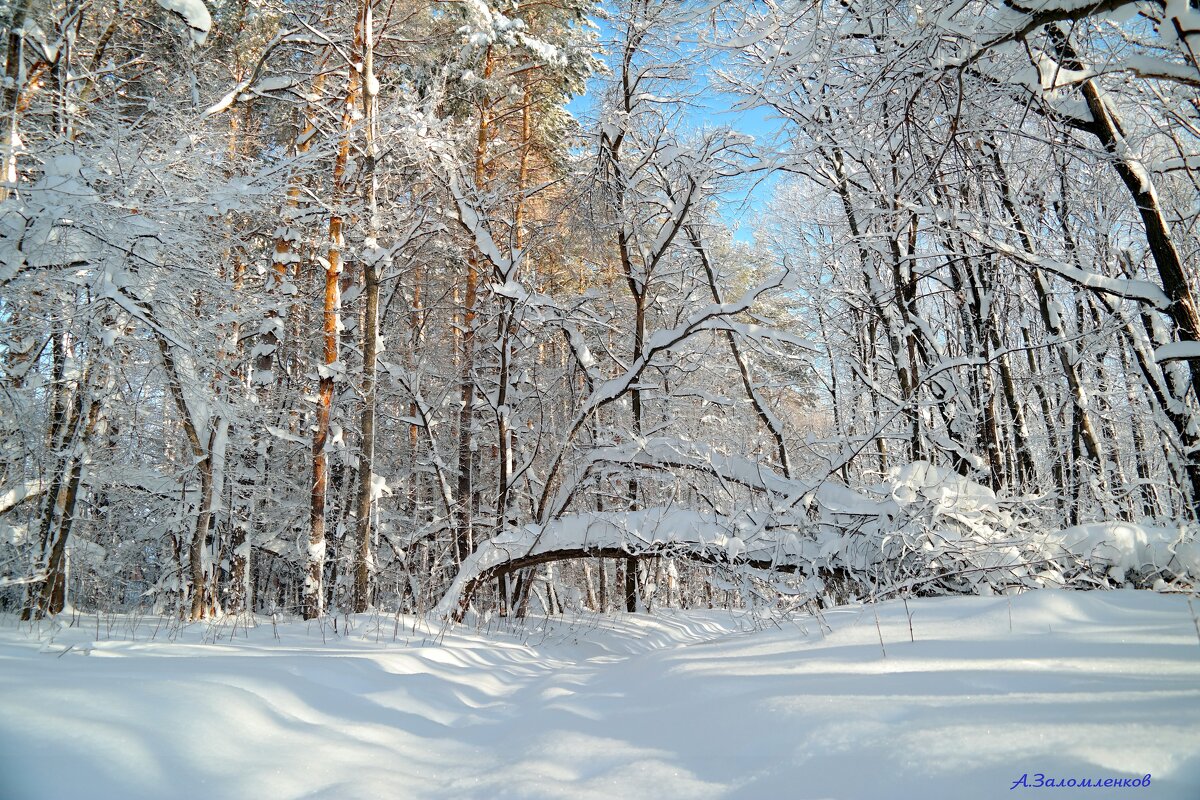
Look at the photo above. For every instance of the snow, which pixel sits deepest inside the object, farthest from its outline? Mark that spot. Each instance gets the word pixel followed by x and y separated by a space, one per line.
pixel 483 238
pixel 511 290
pixel 43 230
pixel 1148 67
pixel 18 493
pixel 379 487
pixel 922 526
pixel 194 13
pixel 766 28
pixel 544 51
pixel 632 531
pixel 583 354
pixel 1129 546
pixel 1181 13
pixel 37 577
pixel 950 493
pixel 273 83
pixel 699 704
pixel 1177 351
pixel 285 435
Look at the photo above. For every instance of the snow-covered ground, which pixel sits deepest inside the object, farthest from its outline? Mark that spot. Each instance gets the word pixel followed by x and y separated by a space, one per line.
pixel 1074 686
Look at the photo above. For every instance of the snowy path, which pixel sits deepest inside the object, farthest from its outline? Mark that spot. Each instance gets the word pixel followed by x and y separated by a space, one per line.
pixel 1083 686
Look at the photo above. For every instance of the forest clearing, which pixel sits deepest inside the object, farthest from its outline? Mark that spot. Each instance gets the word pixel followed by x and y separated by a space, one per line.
pixel 438 398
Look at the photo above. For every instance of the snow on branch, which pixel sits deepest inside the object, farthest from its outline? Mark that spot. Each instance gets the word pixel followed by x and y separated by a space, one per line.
pixel 667 338
pixel 255 83
pixel 923 529
pixel 469 217
pixel 1177 351
pixel 659 342
pixel 19 493
pixel 1128 288
pixel 194 13
pixel 678 453
pixel 701 535
pixel 1123 547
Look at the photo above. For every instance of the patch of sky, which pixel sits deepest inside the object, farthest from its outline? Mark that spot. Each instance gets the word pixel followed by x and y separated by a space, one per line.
pixel 706 103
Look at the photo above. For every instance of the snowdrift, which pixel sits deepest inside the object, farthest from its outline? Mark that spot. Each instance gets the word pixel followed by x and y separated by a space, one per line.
pixel 945 698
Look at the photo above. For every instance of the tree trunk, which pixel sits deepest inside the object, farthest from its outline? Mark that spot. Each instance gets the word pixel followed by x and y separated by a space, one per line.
pixel 10 94
pixel 464 534
pixel 1106 126
pixel 200 532
pixel 314 596
pixel 48 596
pixel 366 462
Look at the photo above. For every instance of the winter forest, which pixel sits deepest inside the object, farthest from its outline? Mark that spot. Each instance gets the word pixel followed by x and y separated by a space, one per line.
pixel 470 311
pixel 314 310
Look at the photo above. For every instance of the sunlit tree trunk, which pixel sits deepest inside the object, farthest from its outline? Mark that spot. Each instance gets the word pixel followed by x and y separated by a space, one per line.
pixel 313 595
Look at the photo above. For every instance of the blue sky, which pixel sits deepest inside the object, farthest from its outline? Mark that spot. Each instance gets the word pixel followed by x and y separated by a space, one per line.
pixel 739 209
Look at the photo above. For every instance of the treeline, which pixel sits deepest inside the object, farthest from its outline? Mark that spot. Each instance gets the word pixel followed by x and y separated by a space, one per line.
pixel 306 310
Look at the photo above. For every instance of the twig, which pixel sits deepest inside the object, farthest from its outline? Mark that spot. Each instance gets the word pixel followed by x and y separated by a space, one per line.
pixel 1195 620
pixel 879 631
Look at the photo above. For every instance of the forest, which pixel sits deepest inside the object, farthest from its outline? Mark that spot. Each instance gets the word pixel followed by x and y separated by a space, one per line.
pixel 485 308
